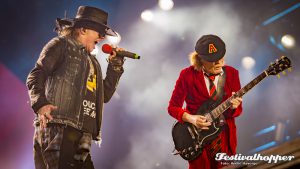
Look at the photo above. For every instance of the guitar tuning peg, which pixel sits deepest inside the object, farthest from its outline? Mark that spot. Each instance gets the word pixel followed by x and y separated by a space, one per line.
pixel 278 76
pixel 290 69
pixel 283 73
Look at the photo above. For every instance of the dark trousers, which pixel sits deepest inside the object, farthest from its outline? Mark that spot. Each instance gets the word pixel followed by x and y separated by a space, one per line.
pixel 56 146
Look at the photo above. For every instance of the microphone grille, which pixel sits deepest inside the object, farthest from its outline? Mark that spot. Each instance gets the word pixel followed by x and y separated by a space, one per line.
pixel 106 48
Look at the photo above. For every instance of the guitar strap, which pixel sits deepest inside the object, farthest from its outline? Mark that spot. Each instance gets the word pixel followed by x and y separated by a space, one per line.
pixel 220 92
pixel 220 89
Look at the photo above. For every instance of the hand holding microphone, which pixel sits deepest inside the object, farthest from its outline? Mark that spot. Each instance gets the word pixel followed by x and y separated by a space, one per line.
pixel 109 50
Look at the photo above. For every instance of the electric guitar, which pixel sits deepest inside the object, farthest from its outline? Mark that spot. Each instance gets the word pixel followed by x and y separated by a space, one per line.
pixel 190 140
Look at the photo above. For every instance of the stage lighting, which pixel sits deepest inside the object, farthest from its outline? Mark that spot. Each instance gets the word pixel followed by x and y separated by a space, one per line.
pixel 166 4
pixel 147 15
pixel 248 62
pixel 288 41
pixel 271 136
pixel 114 40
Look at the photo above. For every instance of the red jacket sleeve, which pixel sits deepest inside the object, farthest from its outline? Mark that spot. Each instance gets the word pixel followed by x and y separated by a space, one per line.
pixel 178 96
pixel 236 86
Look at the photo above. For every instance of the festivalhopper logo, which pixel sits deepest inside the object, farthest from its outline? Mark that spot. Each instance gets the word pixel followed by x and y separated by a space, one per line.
pixel 251 159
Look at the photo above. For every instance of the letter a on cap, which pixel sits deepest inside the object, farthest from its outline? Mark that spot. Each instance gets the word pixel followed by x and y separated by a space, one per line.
pixel 212 48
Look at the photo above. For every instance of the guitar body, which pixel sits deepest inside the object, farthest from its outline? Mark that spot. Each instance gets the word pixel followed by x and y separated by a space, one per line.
pixel 189 141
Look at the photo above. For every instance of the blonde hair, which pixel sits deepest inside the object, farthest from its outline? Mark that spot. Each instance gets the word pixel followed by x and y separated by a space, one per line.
pixel 69 31
pixel 195 61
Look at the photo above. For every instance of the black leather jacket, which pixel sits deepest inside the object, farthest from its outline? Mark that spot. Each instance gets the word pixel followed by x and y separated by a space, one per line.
pixel 59 78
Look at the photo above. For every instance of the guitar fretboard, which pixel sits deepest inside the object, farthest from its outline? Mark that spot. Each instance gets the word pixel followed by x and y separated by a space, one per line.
pixel 226 104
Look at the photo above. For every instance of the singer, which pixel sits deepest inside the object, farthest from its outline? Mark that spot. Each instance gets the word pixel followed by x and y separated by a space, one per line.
pixel 200 82
pixel 67 91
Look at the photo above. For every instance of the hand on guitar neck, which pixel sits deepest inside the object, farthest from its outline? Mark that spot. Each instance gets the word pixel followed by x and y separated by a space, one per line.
pixel 197 120
pixel 235 102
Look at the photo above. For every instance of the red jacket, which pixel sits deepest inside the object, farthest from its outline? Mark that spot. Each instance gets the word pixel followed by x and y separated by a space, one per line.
pixel 191 88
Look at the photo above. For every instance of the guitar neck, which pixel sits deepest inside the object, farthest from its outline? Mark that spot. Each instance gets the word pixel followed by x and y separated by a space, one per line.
pixel 227 103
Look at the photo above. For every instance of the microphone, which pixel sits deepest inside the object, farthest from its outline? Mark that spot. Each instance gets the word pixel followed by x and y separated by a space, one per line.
pixel 106 48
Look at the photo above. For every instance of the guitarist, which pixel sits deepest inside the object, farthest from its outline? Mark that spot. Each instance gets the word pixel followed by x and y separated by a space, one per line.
pixel 197 84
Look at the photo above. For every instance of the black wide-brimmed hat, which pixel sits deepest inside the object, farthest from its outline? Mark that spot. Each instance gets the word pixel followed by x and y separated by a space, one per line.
pixel 210 48
pixel 90 18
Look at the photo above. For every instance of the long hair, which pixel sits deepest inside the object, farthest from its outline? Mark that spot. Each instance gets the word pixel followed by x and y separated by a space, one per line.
pixel 195 61
pixel 69 32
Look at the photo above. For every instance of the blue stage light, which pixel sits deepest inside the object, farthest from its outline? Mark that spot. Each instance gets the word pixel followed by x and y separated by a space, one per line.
pixel 281 14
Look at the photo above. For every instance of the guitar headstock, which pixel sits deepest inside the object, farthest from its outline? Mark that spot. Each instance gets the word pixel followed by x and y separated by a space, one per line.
pixel 279 66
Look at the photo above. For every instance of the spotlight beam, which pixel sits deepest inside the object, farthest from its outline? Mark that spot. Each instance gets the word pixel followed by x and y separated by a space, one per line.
pixel 281 14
